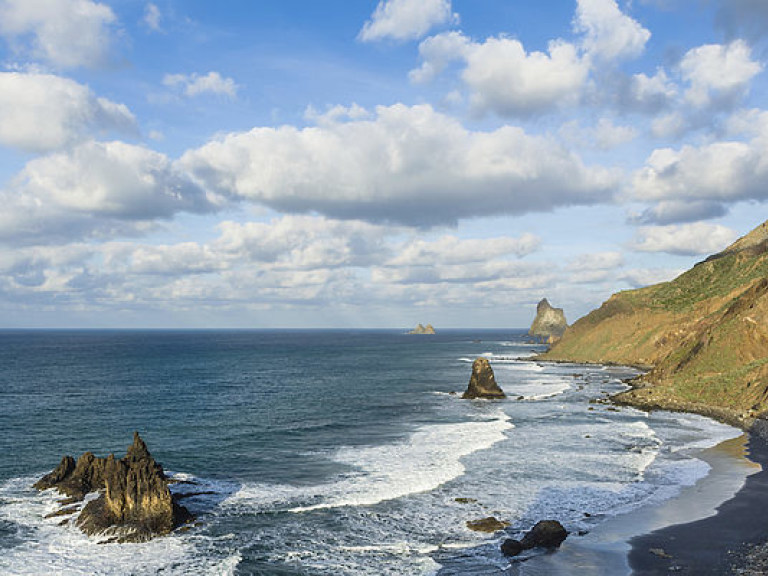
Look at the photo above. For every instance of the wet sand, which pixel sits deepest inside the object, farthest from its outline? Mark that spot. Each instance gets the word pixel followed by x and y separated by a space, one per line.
pixel 691 533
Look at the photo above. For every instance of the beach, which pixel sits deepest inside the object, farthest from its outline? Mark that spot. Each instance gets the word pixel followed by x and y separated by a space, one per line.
pixel 704 530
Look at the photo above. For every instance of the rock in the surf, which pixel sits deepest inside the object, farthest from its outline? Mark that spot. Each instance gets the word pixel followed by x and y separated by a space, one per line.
pixel 488 525
pixel 482 383
pixel 545 534
pixel 135 503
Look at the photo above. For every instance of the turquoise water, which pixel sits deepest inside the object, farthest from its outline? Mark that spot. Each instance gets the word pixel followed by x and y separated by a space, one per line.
pixel 327 452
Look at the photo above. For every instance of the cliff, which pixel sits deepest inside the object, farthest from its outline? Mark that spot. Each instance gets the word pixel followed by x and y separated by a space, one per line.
pixel 549 324
pixel 703 337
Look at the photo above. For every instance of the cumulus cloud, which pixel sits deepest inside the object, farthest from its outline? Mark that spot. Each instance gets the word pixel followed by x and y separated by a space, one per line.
pixel 649 94
pixel 694 239
pixel 195 84
pixel 408 165
pixel 609 34
pixel 718 72
pixel 65 33
pixel 43 112
pixel 726 171
pixel 406 19
pixel 503 77
pixel 95 189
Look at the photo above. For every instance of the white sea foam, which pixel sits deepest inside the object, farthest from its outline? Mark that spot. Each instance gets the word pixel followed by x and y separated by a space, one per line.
pixel 51 548
pixel 429 458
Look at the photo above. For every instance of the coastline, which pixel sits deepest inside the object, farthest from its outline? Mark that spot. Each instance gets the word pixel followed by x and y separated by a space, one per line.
pixel 717 544
pixel 675 527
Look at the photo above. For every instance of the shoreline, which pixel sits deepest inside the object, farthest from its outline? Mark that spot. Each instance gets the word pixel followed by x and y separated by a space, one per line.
pixel 621 545
pixel 717 544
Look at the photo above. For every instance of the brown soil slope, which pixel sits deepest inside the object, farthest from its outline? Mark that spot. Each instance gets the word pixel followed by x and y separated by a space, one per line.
pixel 703 336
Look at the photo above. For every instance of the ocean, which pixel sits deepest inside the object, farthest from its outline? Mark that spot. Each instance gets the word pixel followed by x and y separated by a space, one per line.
pixel 327 452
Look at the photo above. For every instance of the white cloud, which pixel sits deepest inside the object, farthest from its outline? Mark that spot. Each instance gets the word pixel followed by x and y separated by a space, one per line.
pixel 408 165
pixel 153 17
pixel 95 189
pixel 718 72
pixel 42 112
pixel 437 52
pixel 454 250
pixel 595 267
pixel 609 135
pixel 727 171
pixel 609 34
pixel 650 93
pixel 195 84
pixel 406 19
pixel 65 33
pixel 503 77
pixel 686 239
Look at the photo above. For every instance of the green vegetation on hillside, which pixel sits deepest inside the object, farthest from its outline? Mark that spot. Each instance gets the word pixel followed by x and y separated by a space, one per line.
pixel 703 336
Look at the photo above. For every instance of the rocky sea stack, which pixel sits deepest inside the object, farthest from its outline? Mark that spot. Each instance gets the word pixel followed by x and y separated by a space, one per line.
pixel 549 324
pixel 134 503
pixel 421 329
pixel 482 383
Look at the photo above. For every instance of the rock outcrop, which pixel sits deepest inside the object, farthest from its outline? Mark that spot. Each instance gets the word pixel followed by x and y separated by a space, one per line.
pixel 421 329
pixel 482 383
pixel 549 324
pixel 703 337
pixel 134 503
pixel 488 525
pixel 545 534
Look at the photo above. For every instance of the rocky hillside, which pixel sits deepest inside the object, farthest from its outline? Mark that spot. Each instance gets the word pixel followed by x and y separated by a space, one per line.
pixel 703 336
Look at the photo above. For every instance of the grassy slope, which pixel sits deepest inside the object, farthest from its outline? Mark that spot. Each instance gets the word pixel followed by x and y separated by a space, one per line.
pixel 704 335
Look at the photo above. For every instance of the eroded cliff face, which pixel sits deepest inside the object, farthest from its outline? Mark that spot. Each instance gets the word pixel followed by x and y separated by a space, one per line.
pixel 549 324
pixel 703 336
pixel 134 503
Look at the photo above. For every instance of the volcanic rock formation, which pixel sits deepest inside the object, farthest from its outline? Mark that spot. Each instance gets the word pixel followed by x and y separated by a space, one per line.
pixel 482 383
pixel 421 329
pixel 549 324
pixel 134 504
pixel 545 534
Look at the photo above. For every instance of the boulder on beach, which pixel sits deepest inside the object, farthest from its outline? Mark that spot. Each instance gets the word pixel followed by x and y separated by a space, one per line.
pixel 134 503
pixel 482 383
pixel 545 534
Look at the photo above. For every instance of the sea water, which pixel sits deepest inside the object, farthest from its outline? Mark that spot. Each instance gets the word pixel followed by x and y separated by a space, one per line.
pixel 326 452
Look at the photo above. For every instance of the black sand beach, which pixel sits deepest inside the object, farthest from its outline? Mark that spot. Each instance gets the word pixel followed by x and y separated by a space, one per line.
pixel 716 545
pixel 622 545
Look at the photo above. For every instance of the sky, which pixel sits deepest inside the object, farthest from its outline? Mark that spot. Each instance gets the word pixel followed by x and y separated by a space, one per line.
pixel 369 164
